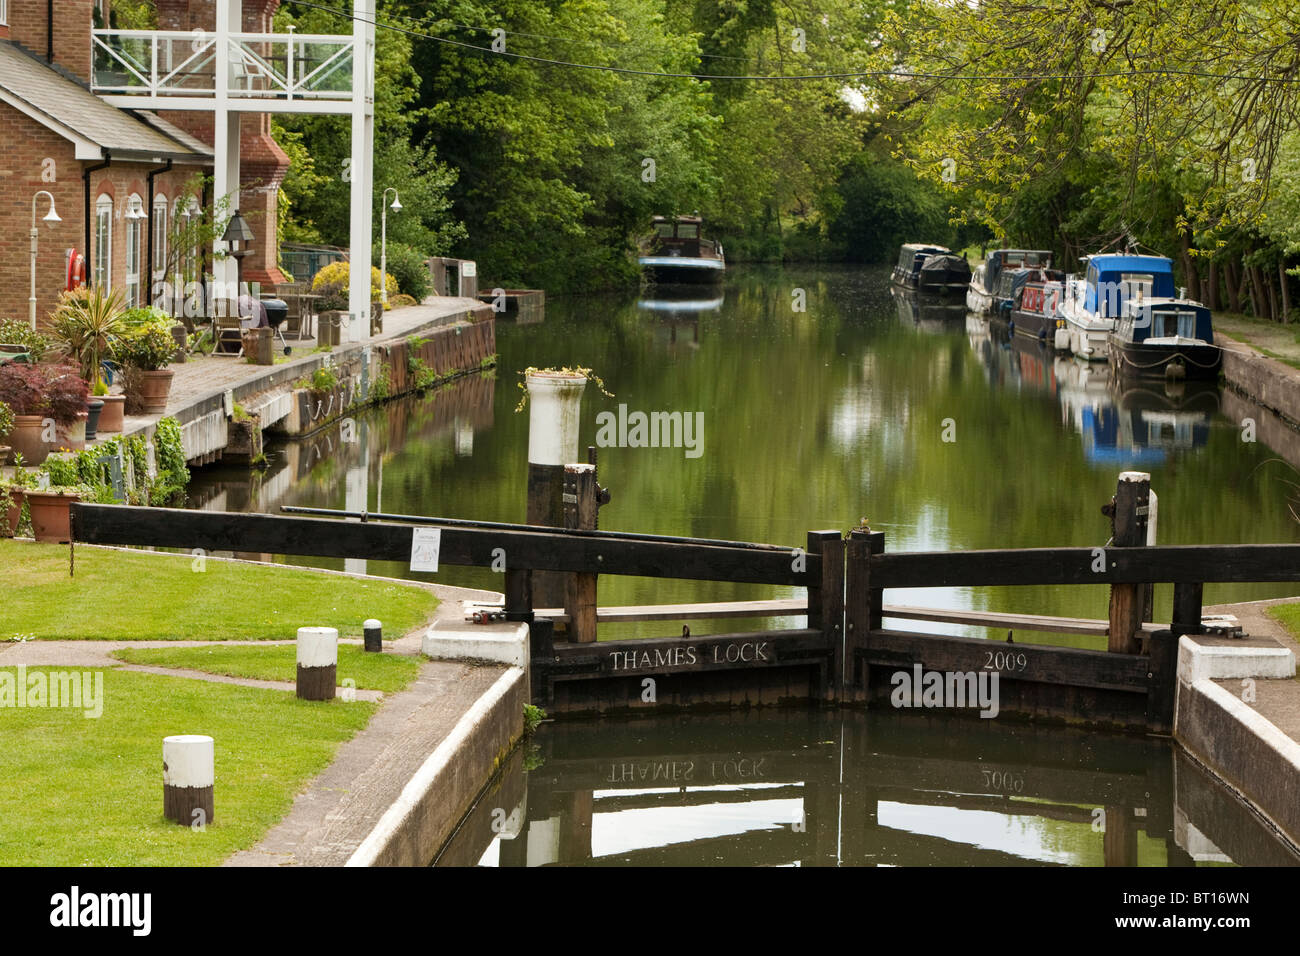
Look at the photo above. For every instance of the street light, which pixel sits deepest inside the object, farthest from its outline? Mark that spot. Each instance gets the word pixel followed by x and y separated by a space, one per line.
pixel 51 217
pixel 383 242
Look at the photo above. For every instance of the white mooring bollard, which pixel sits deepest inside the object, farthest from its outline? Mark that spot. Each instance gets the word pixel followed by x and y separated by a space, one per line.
pixel 318 658
pixel 189 775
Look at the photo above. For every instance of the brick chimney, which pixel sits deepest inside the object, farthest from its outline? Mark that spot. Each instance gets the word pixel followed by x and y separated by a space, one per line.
pixel 29 25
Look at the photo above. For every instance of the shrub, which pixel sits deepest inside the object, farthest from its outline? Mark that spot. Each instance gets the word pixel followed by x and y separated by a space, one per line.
pixel 37 344
pixel 144 315
pixel 6 419
pixel 89 323
pixel 54 391
pixel 407 266
pixel 333 280
pixel 147 346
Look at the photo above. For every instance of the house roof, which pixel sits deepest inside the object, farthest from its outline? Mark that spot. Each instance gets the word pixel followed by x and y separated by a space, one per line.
pixel 68 108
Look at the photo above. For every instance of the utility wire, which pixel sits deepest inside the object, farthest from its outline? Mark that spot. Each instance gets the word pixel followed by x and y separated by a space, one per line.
pixel 856 74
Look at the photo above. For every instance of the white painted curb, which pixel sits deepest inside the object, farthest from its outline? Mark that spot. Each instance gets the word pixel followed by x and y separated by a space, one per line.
pixel 501 643
pixel 437 764
pixel 1256 723
pixel 1198 662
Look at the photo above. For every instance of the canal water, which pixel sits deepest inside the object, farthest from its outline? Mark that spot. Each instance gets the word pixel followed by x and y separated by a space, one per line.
pixel 816 418
pixel 816 788
pixel 926 422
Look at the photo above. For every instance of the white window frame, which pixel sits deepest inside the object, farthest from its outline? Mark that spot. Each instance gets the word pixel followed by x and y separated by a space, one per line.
pixel 103 261
pixel 160 223
pixel 134 250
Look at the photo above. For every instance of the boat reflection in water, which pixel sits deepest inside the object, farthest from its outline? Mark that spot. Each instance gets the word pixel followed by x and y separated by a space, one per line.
pixel 1123 422
pixel 679 306
pixel 808 788
pixel 927 312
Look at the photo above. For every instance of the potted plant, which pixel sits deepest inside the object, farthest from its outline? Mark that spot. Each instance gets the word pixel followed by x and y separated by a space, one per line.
pixel 11 498
pixel 89 322
pixel 50 510
pixel 6 426
pixel 145 350
pixel 46 400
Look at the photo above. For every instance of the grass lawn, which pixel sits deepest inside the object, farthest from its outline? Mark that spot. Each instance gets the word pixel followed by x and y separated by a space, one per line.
pixel 1289 615
pixel 383 672
pixel 88 792
pixel 118 595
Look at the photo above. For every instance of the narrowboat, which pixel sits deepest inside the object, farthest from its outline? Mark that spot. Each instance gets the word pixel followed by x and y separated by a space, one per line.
pixel 1165 337
pixel 677 252
pixel 981 294
pixel 1097 297
pixel 1035 303
pixel 933 269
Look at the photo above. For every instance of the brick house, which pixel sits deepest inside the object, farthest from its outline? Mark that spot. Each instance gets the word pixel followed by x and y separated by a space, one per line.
pixel 121 179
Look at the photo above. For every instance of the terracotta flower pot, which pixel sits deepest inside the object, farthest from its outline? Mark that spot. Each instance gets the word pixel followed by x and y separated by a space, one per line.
pixel 73 437
pixel 14 513
pixel 28 438
pixel 51 518
pixel 147 391
pixel 110 419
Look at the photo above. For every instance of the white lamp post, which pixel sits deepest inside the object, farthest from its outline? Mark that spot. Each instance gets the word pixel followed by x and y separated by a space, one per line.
pixel 383 242
pixel 50 217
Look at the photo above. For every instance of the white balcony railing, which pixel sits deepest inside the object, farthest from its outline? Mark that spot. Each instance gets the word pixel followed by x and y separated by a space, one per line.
pixel 266 66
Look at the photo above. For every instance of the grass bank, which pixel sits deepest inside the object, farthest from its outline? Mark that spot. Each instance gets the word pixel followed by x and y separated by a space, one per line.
pixel 383 672
pixel 119 595
pixel 79 791
pixel 1277 340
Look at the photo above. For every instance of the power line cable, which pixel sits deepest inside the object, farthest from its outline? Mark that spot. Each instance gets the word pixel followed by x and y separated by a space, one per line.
pixel 856 74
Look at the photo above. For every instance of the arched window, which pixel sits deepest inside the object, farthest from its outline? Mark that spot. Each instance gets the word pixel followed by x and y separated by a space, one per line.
pixel 135 218
pixel 103 277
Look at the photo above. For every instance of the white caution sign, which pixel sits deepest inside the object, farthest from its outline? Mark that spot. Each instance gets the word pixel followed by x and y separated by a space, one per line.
pixel 425 544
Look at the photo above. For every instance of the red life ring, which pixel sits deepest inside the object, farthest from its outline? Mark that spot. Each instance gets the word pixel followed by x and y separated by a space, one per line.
pixel 76 270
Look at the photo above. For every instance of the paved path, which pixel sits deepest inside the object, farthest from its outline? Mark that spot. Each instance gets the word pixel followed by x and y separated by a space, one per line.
pixel 1276 700
pixel 1279 340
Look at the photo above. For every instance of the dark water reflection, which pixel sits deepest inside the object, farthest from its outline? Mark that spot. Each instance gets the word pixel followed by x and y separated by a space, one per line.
pixel 814 788
pixel 813 419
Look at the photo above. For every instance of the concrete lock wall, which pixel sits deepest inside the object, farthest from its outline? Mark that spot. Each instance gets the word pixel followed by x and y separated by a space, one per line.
pixel 1231 738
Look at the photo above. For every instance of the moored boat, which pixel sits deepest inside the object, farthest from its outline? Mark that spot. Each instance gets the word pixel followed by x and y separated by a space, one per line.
pixel 677 252
pixel 982 293
pixel 933 269
pixel 1036 301
pixel 1097 297
pixel 1165 337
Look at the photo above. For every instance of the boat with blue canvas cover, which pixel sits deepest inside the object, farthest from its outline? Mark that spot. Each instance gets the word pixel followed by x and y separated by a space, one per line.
pixel 1101 294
